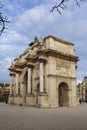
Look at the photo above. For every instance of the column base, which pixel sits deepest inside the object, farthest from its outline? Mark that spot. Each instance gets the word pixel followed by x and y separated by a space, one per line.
pixel 11 99
pixel 42 100
pixel 15 99
pixel 30 99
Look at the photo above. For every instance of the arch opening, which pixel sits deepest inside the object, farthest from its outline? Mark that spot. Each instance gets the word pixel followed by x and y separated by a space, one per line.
pixel 63 94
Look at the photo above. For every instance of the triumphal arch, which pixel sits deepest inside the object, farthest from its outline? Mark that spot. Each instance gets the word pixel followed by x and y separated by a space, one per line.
pixel 44 75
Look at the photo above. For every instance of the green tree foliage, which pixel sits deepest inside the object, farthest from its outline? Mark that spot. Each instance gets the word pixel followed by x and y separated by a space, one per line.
pixel 4 94
pixel 36 39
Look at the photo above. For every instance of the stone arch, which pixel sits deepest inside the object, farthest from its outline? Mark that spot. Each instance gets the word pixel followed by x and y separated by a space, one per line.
pixel 38 87
pixel 24 74
pixel 63 94
pixel 37 91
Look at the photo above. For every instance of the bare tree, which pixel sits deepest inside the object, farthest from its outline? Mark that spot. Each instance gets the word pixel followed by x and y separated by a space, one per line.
pixel 3 20
pixel 63 5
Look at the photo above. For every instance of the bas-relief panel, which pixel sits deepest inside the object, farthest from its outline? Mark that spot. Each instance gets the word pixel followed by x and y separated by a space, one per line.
pixel 62 68
pixel 36 69
pixel 64 48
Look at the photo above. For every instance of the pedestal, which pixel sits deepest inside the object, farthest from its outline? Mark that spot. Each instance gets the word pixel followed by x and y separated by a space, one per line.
pixel 42 100
pixel 30 100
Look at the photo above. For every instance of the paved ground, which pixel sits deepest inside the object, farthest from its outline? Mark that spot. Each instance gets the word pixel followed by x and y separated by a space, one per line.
pixel 27 118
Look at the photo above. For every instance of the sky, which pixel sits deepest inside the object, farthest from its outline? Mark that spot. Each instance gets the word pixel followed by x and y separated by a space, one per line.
pixel 30 18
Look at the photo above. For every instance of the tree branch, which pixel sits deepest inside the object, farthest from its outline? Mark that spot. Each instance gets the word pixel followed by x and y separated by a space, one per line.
pixel 3 21
pixel 63 5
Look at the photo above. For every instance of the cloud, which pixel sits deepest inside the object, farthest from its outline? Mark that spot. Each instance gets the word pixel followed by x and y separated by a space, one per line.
pixel 4 73
pixel 34 18
pixel 13 37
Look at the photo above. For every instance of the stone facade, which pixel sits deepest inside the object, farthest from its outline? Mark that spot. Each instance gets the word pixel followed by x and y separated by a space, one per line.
pixel 82 90
pixel 45 74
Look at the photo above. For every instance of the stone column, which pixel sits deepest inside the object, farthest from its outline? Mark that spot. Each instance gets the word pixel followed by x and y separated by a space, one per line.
pixel 17 82
pixel 41 76
pixel 29 88
pixel 29 81
pixel 10 84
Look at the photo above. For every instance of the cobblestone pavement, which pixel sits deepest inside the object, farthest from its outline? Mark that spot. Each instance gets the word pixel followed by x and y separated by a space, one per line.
pixel 28 118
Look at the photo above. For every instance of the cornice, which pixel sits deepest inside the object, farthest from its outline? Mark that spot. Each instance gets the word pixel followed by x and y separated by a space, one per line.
pixel 59 40
pixel 11 69
pixel 54 53
pixel 20 65
pixel 59 76
pixel 31 59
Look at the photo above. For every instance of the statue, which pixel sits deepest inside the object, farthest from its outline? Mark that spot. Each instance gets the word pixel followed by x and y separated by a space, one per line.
pixel 31 52
pixel 41 41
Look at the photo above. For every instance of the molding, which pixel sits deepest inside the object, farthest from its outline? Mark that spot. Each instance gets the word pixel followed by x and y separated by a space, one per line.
pixel 30 95
pixel 51 75
pixel 42 94
pixel 18 95
pixel 59 40
pixel 54 53
pixel 18 71
pixel 57 54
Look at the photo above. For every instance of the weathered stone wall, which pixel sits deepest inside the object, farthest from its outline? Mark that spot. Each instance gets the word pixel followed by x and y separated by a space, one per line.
pixel 57 60
pixel 60 46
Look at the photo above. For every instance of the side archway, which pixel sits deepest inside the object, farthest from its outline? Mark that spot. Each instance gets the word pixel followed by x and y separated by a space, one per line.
pixel 63 94
pixel 37 90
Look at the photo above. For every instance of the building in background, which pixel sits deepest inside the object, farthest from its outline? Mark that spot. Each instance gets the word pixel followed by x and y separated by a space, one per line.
pixel 82 90
pixel 4 92
pixel 44 75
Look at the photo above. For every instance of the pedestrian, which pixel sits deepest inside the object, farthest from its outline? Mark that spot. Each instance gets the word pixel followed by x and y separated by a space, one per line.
pixel 6 101
pixel 80 101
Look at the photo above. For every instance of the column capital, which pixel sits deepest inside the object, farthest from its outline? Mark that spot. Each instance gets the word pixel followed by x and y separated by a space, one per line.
pixel 18 71
pixel 30 65
pixel 41 60
pixel 12 74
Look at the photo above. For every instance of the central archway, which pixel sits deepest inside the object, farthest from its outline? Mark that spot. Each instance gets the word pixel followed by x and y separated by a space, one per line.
pixel 63 94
